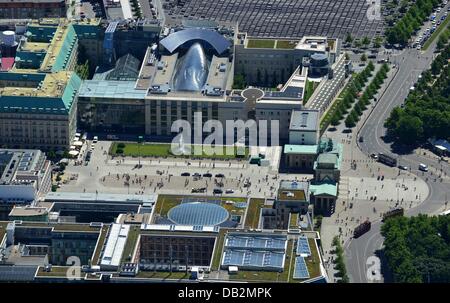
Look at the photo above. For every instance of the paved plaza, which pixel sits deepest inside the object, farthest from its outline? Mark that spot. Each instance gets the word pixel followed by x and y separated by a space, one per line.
pixel 163 175
pixel 281 18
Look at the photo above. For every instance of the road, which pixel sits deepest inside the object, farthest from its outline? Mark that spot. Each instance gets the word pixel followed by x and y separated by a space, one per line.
pixel 410 64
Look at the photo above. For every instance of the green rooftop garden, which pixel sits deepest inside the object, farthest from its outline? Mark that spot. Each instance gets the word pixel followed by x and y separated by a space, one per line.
pixel 100 244
pixel 253 211
pixel 286 44
pixel 57 271
pixel 179 275
pixel 132 238
pixel 215 264
pixel 164 150
pixel 260 43
pixel 2 230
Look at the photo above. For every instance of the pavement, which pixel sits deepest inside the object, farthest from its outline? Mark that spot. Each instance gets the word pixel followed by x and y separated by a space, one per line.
pixel 163 175
pixel 360 252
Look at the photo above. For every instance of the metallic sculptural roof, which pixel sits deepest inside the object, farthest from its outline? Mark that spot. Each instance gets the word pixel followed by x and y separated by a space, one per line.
pixel 173 41
pixel 192 70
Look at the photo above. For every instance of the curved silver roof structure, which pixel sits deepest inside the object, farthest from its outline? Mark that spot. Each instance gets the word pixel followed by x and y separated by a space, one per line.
pixel 192 70
pixel 173 41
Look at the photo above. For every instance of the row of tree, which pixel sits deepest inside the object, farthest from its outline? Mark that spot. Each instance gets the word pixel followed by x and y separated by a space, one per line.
pixel 411 21
pixel 443 39
pixel 339 261
pixel 426 112
pixel 417 249
pixel 349 95
pixel 367 96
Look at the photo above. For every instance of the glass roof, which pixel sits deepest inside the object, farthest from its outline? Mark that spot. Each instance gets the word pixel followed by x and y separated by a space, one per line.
pixel 173 41
pixel 198 213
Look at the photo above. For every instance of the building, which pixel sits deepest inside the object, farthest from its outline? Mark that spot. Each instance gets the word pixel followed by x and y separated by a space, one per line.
pixel 29 213
pixel 270 61
pixel 254 251
pixel 38 95
pixel 98 207
pixel 327 167
pixel 115 244
pixel 25 175
pixel 32 9
pixel 56 241
pixel 293 195
pixel 169 247
pixel 323 197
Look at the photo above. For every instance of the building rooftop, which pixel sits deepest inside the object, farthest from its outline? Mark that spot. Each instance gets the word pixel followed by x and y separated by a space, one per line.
pixel 304 120
pixel 300 149
pixel 324 188
pixel 115 245
pixel 293 190
pixel 101 197
pixel 111 89
pixel 28 211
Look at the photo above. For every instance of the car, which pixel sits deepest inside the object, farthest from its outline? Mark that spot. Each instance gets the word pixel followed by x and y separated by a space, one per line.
pixel 207 175
pixel 95 140
pixel 423 167
pixel 196 175
pixel 217 191
pixel 219 176
pixel 374 156
pixel 229 191
pixel 403 167
pixel 361 139
pixel 185 174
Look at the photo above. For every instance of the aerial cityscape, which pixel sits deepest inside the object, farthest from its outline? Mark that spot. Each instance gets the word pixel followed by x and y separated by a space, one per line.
pixel 238 141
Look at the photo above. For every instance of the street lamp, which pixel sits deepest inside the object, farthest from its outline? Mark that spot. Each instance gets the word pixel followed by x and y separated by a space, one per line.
pixel 140 140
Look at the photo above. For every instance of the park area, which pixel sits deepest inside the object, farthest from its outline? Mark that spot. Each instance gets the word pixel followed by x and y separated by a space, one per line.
pixel 164 150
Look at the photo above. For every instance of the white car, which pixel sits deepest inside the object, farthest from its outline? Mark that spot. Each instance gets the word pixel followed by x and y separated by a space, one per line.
pixel 95 140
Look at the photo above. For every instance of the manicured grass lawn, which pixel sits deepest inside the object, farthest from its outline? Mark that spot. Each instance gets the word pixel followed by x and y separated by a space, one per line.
pixel 163 275
pixel 218 249
pixel 252 218
pixel 164 150
pixel 312 263
pixel 260 43
pixel 294 219
pixel 101 242
pixel 286 44
pixel 436 33
pixel 57 271
pixel 131 242
pixel 309 90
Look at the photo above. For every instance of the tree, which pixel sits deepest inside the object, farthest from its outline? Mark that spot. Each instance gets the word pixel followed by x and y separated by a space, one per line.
pixel 348 38
pixel 239 81
pixel 335 121
pixel 409 129
pixel 350 121
pixel 365 41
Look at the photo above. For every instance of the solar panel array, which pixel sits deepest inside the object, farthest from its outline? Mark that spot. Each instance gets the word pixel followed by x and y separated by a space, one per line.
pixel 17 273
pixel 255 242
pixel 258 251
pixel 303 246
pixel 300 269
pixel 250 258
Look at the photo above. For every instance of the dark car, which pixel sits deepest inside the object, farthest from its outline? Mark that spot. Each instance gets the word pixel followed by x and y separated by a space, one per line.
pixel 403 167
pixel 361 139
pixel 220 176
pixel 207 175
pixel 185 174
pixel 217 191
pixel 196 175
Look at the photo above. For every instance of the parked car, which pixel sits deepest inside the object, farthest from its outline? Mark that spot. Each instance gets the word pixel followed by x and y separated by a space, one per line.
pixel 186 174
pixel 207 175
pixel 229 191
pixel 220 176
pixel 217 191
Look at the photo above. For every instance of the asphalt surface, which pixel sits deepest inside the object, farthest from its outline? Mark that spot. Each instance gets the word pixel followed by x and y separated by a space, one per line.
pixel 410 64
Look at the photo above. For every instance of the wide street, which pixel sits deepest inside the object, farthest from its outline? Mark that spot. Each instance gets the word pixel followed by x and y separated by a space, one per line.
pixel 411 63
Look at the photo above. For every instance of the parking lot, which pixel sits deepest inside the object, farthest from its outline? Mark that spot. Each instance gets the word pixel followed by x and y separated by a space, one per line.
pixel 281 18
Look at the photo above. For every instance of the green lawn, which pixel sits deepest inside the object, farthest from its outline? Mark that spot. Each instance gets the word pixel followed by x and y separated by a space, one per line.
pixel 286 44
pixel 252 218
pixel 309 90
pixel 260 43
pixel 57 271
pixel 101 242
pixel 133 235
pixel 218 249
pixel 436 33
pixel 293 220
pixel 163 275
pixel 312 263
pixel 164 150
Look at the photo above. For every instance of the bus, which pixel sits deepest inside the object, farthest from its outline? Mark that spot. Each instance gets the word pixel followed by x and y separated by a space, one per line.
pixel 361 229
pixel 388 160
pixel 395 212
